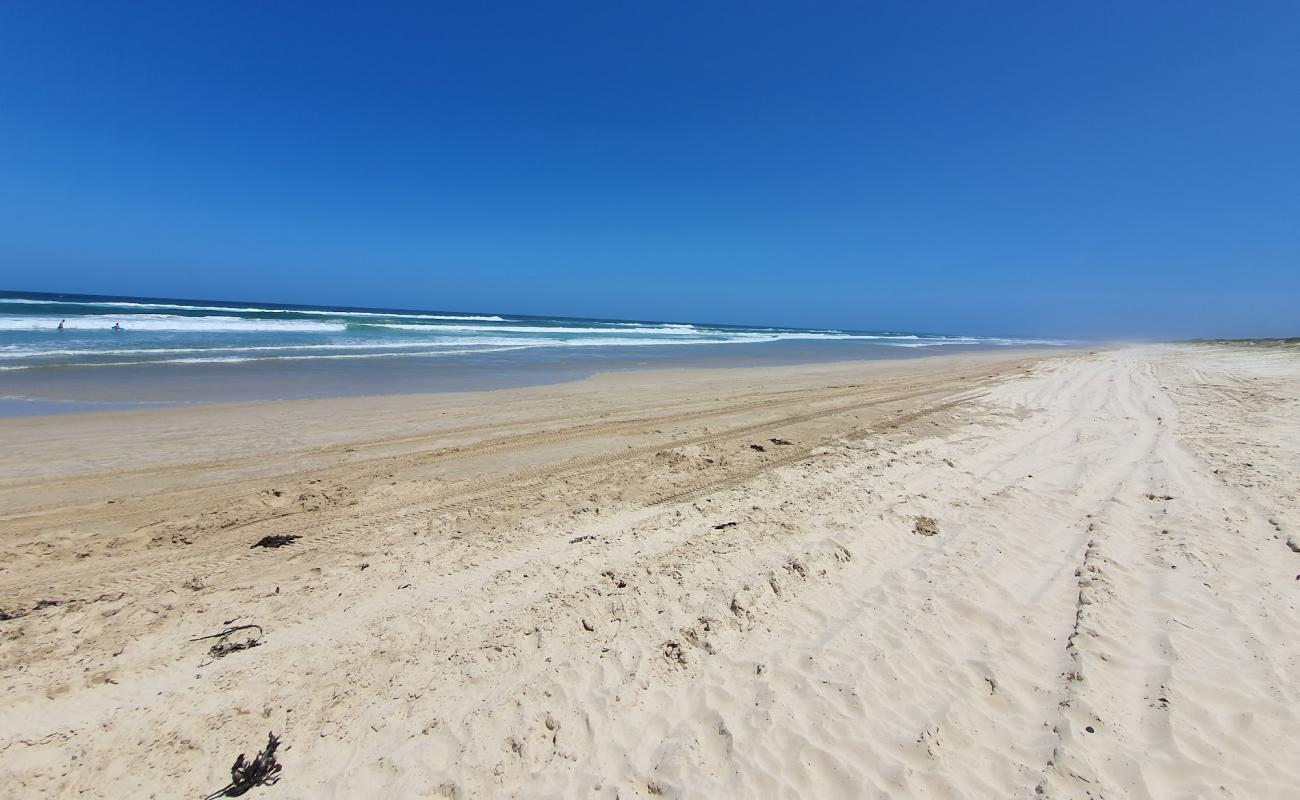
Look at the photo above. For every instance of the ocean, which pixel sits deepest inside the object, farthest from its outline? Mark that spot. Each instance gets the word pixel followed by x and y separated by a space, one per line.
pixel 125 351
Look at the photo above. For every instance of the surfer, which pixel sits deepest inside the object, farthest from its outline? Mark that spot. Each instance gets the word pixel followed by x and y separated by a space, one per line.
pixel 61 323
pixel 117 327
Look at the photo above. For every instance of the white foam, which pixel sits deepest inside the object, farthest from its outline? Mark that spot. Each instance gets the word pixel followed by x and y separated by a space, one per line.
pixel 169 322
pixel 552 329
pixel 245 359
pixel 13 352
pixel 252 310
pixel 668 333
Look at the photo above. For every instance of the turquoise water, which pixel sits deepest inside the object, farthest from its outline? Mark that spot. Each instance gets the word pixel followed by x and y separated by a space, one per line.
pixel 131 349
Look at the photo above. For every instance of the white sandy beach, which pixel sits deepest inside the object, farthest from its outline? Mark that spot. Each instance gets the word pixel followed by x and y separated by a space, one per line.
pixel 694 583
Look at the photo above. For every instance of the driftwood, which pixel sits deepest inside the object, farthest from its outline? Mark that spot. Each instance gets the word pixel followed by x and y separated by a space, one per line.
pixel 263 770
pixel 279 540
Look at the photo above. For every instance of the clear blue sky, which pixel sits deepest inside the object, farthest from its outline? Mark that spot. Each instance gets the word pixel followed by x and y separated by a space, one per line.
pixel 1083 169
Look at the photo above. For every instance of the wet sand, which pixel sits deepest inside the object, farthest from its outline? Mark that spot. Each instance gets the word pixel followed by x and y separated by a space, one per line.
pixel 73 388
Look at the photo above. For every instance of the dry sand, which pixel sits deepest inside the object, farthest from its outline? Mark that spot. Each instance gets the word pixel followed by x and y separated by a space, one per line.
pixel 980 576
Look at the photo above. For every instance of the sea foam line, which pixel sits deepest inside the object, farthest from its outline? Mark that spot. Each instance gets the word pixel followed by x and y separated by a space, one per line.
pixel 240 359
pixel 252 309
pixel 161 322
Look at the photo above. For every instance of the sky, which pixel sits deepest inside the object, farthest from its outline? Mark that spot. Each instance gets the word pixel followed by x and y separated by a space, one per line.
pixel 1100 170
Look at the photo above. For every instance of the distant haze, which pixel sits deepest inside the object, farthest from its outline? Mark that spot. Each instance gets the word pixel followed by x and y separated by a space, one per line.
pixel 1098 170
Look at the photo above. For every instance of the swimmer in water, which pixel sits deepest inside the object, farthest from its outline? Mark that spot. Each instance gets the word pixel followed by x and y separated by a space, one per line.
pixel 117 327
pixel 61 323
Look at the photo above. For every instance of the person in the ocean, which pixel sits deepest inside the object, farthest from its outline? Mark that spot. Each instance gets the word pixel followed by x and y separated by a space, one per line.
pixel 61 323
pixel 117 327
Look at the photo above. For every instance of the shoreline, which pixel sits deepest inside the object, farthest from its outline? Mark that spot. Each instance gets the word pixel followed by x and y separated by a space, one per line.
pixel 69 352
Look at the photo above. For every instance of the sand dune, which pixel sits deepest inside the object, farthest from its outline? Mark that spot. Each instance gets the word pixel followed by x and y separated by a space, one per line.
pixel 674 584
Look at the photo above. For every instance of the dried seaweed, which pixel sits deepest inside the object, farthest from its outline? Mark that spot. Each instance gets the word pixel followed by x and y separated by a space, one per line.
pixel 225 645
pixel 926 526
pixel 263 770
pixel 279 540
